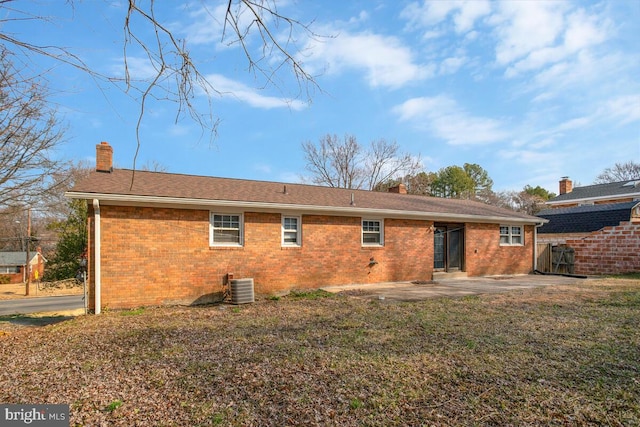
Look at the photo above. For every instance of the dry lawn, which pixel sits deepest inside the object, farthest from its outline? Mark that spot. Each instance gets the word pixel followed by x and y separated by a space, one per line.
pixel 566 355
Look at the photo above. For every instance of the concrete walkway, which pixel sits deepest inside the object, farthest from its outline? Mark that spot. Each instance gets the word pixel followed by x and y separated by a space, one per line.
pixel 407 291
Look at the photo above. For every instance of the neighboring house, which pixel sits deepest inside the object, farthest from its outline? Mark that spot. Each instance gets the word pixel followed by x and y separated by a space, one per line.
pixel 160 238
pixel 615 192
pixel 579 221
pixel 12 264
pixel 600 223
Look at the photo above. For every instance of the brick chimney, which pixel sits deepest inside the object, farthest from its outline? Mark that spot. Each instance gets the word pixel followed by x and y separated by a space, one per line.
pixel 400 188
pixel 566 185
pixel 104 157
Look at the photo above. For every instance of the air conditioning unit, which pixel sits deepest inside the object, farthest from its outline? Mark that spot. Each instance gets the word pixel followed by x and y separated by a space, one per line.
pixel 241 291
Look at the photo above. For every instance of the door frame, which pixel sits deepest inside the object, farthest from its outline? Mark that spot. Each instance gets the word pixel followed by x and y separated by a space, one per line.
pixel 449 228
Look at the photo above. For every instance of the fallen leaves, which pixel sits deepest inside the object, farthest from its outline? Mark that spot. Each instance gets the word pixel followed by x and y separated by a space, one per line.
pixel 547 356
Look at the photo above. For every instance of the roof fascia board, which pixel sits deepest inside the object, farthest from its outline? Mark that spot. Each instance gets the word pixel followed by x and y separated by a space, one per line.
pixel 171 202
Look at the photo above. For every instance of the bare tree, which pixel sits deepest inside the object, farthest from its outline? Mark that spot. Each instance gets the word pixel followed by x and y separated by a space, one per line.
pixel 154 166
pixel 176 76
pixel 53 205
pixel 528 201
pixel 334 162
pixel 29 131
pixel 384 162
pixel 346 164
pixel 619 172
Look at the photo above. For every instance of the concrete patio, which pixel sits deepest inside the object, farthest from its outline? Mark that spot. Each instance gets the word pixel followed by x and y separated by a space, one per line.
pixel 454 287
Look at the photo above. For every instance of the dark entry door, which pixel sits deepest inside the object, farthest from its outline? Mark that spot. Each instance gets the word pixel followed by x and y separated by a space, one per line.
pixel 454 250
pixel 448 245
pixel 440 248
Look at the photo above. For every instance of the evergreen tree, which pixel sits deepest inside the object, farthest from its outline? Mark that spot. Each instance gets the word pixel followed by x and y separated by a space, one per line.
pixel 72 241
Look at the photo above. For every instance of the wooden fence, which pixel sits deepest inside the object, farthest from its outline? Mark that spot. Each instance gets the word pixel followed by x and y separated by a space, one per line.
pixel 555 259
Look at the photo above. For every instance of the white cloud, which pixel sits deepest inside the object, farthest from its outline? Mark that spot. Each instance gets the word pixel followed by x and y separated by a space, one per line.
pixel 443 117
pixel 624 109
pixel 430 13
pixel 243 93
pixel 361 18
pixel 385 60
pixel 526 26
pixel 582 31
pixel 451 65
pixel 468 13
pixel 139 68
pixel 572 124
pixel 205 25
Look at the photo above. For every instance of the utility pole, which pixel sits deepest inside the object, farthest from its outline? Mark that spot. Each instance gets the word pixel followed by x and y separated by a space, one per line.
pixel 28 265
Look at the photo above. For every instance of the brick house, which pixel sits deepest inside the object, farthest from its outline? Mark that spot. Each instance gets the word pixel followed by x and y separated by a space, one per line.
pixel 160 238
pixel 12 265
pixel 600 222
pixel 596 194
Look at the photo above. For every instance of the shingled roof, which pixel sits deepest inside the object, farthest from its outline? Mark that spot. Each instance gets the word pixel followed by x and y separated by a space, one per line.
pixel 621 189
pixel 586 218
pixel 13 259
pixel 122 186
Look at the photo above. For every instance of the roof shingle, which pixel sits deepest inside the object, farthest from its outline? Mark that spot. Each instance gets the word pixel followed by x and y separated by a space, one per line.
pixel 585 219
pixel 177 186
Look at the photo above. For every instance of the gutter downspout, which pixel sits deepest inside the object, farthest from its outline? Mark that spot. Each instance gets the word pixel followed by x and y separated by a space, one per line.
pixel 97 261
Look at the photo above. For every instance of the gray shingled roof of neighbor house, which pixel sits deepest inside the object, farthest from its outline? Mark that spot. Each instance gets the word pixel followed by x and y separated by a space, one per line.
pixel 12 259
pixel 598 191
pixel 157 188
pixel 586 218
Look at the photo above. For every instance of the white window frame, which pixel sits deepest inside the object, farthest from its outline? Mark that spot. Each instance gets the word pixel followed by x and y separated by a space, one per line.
pixel 363 232
pixel 240 229
pixel 298 231
pixel 511 236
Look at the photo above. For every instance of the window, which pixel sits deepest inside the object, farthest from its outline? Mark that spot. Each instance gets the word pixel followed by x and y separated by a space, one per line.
pixel 9 270
pixel 291 231
pixel 511 235
pixel 372 232
pixel 226 229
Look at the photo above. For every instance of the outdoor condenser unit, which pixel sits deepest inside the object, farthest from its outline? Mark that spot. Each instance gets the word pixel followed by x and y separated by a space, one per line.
pixel 241 291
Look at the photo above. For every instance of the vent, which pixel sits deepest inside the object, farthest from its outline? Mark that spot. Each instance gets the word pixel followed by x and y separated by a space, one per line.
pixel 241 291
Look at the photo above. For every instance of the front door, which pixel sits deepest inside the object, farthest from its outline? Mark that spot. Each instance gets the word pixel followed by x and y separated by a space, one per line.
pixel 448 247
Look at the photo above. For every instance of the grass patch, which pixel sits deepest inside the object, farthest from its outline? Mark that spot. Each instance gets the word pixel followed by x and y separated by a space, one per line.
pixel 113 405
pixel 132 312
pixel 310 295
pixel 561 355
pixel 355 403
pixel 629 276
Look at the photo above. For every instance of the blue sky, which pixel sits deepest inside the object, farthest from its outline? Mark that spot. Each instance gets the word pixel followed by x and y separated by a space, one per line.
pixel 529 90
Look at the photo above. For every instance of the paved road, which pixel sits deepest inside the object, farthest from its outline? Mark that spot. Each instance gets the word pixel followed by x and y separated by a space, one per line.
pixel 41 305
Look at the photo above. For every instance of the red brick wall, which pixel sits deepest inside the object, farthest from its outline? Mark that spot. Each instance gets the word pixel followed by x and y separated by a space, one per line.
pixel 485 256
pixel 15 277
pixel 154 256
pixel 612 250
